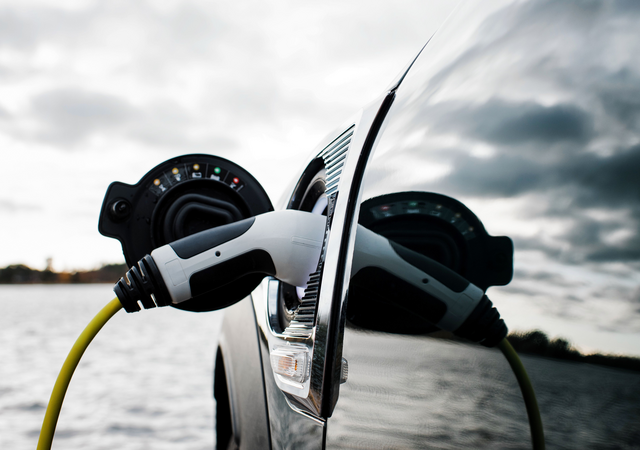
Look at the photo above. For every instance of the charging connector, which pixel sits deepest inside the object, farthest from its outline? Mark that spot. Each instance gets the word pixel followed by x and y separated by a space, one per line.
pixel 284 244
pixel 143 283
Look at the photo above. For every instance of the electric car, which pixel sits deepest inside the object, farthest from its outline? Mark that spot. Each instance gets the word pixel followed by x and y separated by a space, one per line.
pixel 508 152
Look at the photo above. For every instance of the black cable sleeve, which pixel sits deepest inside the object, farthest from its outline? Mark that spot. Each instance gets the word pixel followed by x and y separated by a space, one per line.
pixel 483 325
pixel 142 283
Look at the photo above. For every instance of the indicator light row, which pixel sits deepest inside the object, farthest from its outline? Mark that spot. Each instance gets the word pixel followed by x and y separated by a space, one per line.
pixel 435 210
pixel 194 171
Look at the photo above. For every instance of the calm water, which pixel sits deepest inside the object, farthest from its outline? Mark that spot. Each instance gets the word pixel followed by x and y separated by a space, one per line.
pixel 144 383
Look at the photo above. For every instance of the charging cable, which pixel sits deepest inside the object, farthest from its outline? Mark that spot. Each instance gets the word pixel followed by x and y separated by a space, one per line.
pixel 287 245
pixel 529 396
pixel 69 366
pixel 96 324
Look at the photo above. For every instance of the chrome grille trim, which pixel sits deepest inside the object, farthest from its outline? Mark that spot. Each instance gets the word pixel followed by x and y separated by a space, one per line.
pixel 334 156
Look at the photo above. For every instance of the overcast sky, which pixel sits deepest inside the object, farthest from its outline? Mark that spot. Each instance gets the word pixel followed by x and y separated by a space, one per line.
pixel 93 92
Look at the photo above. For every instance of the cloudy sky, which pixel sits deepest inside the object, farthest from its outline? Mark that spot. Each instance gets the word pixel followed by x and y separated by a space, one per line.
pixel 93 92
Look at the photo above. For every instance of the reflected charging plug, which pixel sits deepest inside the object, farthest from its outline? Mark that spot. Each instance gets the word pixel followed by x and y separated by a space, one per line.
pixel 422 286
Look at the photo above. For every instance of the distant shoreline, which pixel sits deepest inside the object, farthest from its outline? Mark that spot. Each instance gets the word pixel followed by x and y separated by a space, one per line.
pixel 537 343
pixel 533 342
pixel 22 274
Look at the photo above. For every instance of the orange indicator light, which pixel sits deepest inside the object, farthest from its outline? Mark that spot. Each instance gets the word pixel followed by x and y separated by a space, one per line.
pixel 290 363
pixel 196 167
pixel 156 182
pixel 175 171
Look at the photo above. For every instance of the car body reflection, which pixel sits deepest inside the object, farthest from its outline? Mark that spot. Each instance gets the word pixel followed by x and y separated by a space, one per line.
pixel 528 113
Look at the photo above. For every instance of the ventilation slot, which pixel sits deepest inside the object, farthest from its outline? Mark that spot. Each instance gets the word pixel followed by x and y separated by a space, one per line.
pixel 334 155
pixel 302 324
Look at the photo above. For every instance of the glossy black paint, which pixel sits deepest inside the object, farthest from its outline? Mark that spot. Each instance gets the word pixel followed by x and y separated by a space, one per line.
pixel 515 109
pixel 526 112
pixel 241 355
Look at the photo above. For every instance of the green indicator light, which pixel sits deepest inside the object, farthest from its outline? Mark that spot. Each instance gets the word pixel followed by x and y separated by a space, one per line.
pixel 217 170
pixel 413 204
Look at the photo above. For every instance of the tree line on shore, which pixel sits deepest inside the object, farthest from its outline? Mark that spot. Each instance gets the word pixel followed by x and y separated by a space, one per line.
pixel 537 343
pixel 22 274
pixel 533 342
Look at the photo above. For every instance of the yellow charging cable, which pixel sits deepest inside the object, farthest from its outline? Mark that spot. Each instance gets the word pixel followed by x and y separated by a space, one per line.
pixel 69 366
pixel 529 396
pixel 96 324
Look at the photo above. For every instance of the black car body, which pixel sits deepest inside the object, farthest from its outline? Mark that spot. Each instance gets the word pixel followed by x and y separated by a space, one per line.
pixel 528 114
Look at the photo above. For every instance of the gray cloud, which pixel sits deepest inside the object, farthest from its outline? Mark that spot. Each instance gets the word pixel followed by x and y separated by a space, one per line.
pixel 579 302
pixel 4 114
pixel 635 297
pixel 534 123
pixel 10 206
pixel 507 123
pixel 240 62
pixel 565 187
pixel 70 115
pixel 628 251
pixel 626 6
pixel 186 29
pixel 378 30
pixel 607 180
pixel 584 54
pixel 252 99
pixel 591 180
pixel 554 278
pixel 521 243
pixel 25 28
pixel 619 95
pixel 192 28
pixel 585 241
pixel 614 292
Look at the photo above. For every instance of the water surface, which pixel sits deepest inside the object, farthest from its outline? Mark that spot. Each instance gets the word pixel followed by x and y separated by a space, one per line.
pixel 144 383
